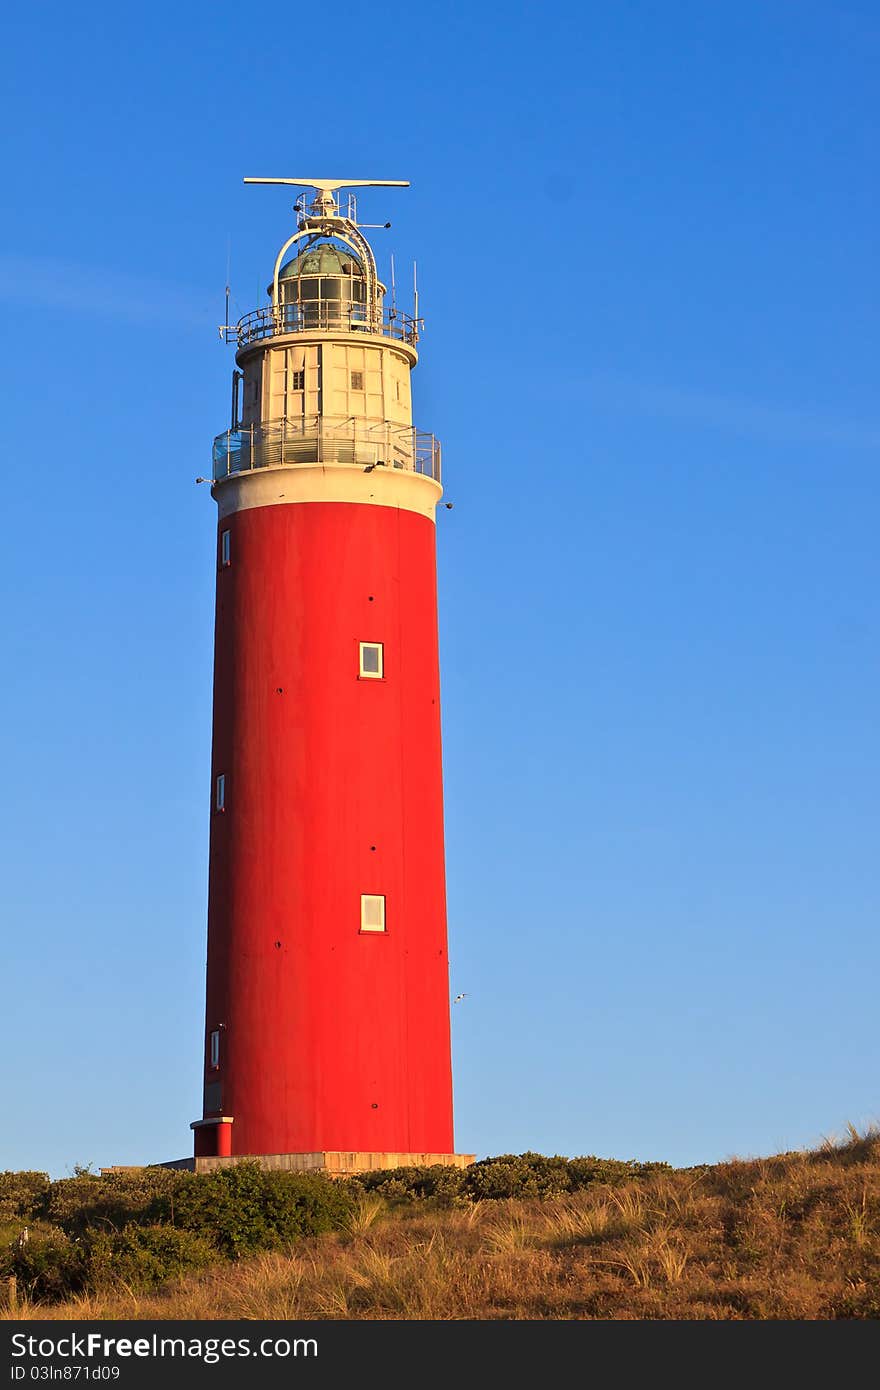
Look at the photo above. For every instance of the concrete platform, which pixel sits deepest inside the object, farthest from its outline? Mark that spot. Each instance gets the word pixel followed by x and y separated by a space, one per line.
pixel 334 1164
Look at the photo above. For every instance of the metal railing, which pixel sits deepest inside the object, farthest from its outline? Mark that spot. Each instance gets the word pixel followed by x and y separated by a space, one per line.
pixel 322 316
pixel 325 440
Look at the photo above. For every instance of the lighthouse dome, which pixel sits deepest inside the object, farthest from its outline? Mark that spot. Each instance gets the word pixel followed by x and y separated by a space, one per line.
pixel 325 285
pixel 326 259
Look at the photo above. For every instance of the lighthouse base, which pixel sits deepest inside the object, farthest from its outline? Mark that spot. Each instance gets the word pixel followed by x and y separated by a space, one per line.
pixel 335 1164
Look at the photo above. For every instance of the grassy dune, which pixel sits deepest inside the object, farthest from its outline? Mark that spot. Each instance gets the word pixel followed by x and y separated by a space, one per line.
pixel 795 1236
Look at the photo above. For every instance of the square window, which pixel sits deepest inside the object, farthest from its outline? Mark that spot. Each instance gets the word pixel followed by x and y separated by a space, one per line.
pixel 357 381
pixel 225 548
pixel 214 1049
pixel 220 793
pixel 298 381
pixel 372 912
pixel 372 660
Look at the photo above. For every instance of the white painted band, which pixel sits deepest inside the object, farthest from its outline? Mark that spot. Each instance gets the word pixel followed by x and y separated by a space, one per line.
pixel 329 482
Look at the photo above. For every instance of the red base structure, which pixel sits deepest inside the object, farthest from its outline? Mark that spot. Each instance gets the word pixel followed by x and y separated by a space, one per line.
pixel 327 1037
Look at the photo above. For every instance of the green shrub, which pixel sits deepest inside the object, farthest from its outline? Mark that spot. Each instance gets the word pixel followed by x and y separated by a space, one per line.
pixel 517 1175
pixel 443 1185
pixel 583 1172
pixel 534 1175
pixel 508 1175
pixel 238 1208
pixel 140 1257
pixel 23 1195
pixel 244 1208
pixel 49 1265
pixel 111 1200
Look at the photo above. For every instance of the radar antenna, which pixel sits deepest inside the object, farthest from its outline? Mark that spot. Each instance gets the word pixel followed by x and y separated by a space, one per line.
pixel 325 204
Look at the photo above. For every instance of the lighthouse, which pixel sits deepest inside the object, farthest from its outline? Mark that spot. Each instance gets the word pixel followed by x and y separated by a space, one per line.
pixel 327 1039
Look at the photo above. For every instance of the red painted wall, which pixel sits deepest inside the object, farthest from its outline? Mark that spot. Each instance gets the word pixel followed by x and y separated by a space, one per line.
pixel 331 1039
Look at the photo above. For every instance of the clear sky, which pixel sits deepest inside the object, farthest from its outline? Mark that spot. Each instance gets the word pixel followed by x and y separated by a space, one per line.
pixel 646 238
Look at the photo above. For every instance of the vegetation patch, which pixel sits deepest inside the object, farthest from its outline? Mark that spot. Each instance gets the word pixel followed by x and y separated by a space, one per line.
pixel 517 1236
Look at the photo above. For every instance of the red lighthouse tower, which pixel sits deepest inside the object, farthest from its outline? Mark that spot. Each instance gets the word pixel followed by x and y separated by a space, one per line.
pixel 327 1026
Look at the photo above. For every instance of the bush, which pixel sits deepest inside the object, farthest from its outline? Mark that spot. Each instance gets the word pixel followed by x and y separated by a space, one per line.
pixel 614 1171
pixel 508 1175
pixel 23 1195
pixel 244 1208
pixel 533 1175
pixel 140 1257
pixel 517 1175
pixel 238 1209
pixel 444 1185
pixel 111 1200
pixel 47 1266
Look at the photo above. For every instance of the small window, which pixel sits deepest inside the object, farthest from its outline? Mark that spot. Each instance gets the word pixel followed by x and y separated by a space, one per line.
pixel 220 793
pixel 357 381
pixel 225 548
pixel 298 381
pixel 372 912
pixel 372 660
pixel 214 1049
pixel 397 389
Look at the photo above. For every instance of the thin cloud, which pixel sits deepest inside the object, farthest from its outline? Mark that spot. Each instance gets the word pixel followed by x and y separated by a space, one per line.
pixel 90 290
pixel 772 424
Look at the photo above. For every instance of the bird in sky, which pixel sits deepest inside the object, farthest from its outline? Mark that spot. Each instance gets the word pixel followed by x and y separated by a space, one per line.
pixel 458 998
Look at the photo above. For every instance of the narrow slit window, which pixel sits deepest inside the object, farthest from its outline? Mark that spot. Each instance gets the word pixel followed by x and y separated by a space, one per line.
pixel 225 548
pixel 220 793
pixel 214 1049
pixel 372 660
pixel 372 912
pixel 357 381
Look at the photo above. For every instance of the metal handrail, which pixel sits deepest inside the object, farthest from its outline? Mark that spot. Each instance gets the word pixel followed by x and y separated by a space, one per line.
pixel 323 316
pixel 325 440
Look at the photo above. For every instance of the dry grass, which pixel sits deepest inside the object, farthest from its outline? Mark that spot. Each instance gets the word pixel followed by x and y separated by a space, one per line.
pixel 797 1236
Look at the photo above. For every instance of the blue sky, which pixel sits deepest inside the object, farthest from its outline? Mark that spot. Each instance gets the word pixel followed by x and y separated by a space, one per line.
pixel 646 245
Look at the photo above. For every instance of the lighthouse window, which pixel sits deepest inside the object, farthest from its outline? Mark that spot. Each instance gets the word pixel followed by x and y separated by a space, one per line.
pixel 214 1050
pixel 357 381
pixel 372 912
pixel 225 548
pixel 220 793
pixel 372 663
pixel 298 381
